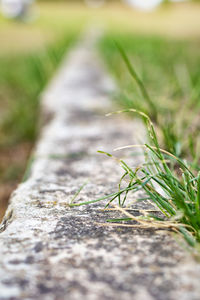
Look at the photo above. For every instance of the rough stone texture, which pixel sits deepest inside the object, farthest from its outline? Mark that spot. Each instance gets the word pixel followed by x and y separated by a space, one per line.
pixel 49 251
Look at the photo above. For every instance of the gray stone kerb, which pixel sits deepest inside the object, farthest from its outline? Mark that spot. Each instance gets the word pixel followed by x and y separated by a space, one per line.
pixel 48 251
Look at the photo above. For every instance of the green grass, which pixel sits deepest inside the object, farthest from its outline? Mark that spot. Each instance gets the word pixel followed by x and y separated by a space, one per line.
pixel 166 89
pixel 170 183
pixel 29 55
pixel 160 78
pixel 22 78
pixel 171 74
pixel 166 86
pixel 167 181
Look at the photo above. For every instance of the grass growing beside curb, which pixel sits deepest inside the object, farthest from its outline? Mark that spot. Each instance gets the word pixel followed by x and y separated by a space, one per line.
pixel 167 181
pixel 170 183
pixel 170 71
pixel 170 178
pixel 22 79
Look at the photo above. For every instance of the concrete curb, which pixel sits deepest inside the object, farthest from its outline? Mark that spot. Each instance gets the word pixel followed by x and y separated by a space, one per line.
pixel 49 251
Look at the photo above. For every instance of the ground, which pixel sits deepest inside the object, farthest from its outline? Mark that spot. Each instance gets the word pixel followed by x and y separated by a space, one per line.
pixel 51 250
pixel 20 40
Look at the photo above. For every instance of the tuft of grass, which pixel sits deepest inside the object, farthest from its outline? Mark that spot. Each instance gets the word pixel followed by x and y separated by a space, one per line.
pixel 166 178
pixel 167 181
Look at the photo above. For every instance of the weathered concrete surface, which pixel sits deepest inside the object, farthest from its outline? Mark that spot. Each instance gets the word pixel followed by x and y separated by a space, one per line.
pixel 48 251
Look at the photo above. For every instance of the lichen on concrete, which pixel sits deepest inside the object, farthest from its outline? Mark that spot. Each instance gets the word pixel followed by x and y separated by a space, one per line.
pixel 49 251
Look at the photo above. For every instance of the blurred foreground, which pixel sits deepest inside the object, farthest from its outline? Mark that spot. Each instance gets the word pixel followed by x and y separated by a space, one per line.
pixel 30 52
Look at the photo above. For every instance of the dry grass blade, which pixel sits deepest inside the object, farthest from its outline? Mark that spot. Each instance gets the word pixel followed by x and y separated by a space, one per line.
pixel 148 223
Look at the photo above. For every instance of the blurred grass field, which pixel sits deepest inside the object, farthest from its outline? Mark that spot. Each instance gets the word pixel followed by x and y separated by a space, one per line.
pixel 30 53
pixel 51 19
pixel 160 78
pixel 170 71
